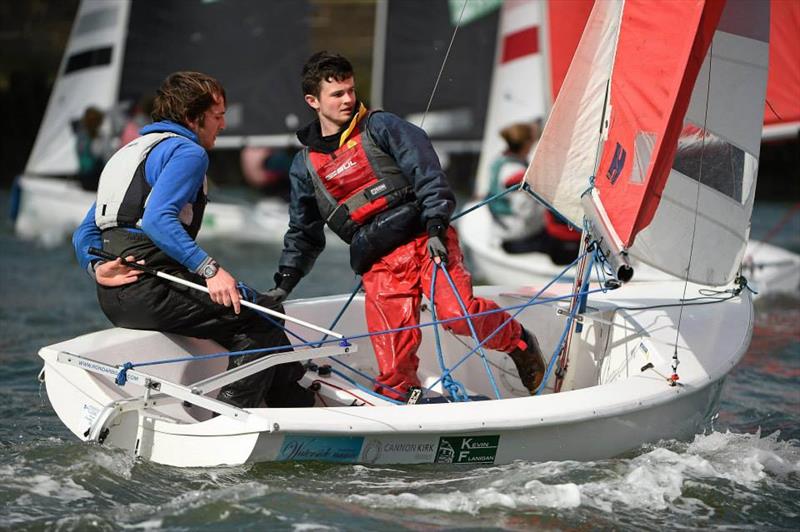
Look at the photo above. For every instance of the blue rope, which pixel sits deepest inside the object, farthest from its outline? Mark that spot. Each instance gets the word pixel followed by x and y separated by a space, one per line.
pixel 527 188
pixel 487 200
pixel 344 308
pixel 530 302
pixel 122 376
pixel 570 319
pixel 478 343
pixel 243 352
pixel 455 388
pixel 251 296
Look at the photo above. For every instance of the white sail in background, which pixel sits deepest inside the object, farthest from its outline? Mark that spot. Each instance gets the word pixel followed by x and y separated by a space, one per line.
pixel 566 156
pixel 88 76
pixel 519 92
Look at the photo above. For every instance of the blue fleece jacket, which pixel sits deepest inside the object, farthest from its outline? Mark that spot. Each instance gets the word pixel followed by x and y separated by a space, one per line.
pixel 175 169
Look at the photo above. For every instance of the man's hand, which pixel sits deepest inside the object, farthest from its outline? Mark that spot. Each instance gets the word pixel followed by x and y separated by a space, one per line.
pixel 273 298
pixel 437 249
pixel 223 291
pixel 115 273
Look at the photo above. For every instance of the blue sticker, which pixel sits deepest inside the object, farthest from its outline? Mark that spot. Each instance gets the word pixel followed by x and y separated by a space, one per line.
pixel 322 448
pixel 617 163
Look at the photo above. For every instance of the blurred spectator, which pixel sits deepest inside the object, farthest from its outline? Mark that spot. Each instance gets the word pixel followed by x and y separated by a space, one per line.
pixel 515 215
pixel 138 117
pixel 267 169
pixel 92 147
pixel 521 222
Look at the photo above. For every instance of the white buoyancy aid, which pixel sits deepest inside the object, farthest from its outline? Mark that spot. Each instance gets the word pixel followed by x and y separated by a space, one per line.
pixel 123 190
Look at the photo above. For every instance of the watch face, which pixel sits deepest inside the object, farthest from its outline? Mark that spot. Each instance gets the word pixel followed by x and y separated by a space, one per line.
pixel 210 271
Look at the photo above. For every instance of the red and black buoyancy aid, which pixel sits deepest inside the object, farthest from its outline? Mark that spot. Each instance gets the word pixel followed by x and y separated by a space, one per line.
pixel 356 182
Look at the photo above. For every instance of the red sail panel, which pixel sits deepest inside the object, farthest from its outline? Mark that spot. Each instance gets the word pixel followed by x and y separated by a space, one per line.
pixel 567 19
pixel 783 83
pixel 660 50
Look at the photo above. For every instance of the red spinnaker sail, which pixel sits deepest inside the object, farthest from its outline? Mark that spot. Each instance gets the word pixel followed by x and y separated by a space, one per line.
pixel 783 85
pixel 660 50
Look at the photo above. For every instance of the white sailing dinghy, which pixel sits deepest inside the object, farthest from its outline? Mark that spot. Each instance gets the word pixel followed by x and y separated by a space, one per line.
pixel 769 269
pixel 117 54
pixel 635 364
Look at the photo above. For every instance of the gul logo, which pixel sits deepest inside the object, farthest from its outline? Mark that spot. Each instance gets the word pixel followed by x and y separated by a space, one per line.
pixel 617 163
pixel 341 169
pixel 467 449
pixel 374 191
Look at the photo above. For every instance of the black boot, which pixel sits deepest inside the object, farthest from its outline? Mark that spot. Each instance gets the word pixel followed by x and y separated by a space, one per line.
pixel 528 359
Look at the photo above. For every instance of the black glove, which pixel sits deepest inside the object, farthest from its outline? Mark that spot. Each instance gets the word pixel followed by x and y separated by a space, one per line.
pixel 273 298
pixel 436 241
pixel 285 281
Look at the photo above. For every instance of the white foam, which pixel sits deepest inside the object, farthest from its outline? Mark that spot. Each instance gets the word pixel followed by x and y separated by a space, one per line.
pixel 656 479
pixel 150 524
pixel 47 486
pixel 305 527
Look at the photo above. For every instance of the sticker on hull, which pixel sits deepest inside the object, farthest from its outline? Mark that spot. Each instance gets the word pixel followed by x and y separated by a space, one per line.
pixel 345 449
pixel 467 449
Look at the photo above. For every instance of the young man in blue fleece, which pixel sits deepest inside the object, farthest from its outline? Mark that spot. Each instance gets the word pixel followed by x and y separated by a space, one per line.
pixel 149 207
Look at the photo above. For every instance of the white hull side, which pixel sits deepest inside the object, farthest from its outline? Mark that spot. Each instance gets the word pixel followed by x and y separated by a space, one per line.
pixel 769 269
pixel 50 209
pixel 607 400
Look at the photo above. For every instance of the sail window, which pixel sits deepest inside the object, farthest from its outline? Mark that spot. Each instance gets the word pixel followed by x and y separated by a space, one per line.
pixel 97 20
pixel 88 59
pixel 643 147
pixel 716 163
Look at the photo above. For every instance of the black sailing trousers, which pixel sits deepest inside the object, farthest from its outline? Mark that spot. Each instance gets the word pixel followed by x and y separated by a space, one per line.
pixel 156 304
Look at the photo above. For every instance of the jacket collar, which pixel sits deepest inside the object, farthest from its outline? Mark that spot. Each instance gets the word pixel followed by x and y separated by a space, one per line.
pixel 311 134
pixel 168 126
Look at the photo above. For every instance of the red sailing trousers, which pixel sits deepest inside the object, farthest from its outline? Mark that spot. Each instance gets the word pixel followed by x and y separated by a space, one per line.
pixel 394 287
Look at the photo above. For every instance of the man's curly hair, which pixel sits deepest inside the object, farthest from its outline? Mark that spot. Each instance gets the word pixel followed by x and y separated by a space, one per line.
pixel 324 66
pixel 185 96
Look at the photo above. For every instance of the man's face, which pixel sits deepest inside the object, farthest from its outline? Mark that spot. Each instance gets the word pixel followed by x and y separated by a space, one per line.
pixel 212 123
pixel 335 102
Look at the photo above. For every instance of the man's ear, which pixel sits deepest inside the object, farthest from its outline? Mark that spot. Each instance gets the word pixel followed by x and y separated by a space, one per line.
pixel 312 101
pixel 193 125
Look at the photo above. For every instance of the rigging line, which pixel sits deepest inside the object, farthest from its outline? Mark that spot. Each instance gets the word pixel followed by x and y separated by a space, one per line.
pixel 773 109
pixel 778 226
pixel 444 62
pixel 696 211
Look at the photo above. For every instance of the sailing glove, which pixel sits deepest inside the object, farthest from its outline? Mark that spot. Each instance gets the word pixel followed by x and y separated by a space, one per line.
pixel 436 240
pixel 285 281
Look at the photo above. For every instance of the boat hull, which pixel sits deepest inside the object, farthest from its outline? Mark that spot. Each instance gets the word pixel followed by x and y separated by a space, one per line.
pixel 608 405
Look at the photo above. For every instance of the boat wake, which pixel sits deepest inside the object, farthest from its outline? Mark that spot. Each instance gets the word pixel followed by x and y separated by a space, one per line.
pixel 721 477
pixel 675 476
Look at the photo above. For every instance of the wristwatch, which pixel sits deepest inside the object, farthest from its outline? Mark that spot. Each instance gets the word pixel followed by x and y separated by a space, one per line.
pixel 210 270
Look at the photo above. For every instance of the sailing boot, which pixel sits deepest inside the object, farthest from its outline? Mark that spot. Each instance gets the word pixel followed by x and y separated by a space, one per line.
pixel 528 359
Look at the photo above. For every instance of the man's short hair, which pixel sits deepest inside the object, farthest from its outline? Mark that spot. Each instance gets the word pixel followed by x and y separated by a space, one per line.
pixel 185 96
pixel 324 66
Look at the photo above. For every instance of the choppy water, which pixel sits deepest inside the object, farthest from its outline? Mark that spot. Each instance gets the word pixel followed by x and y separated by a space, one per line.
pixel 743 473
